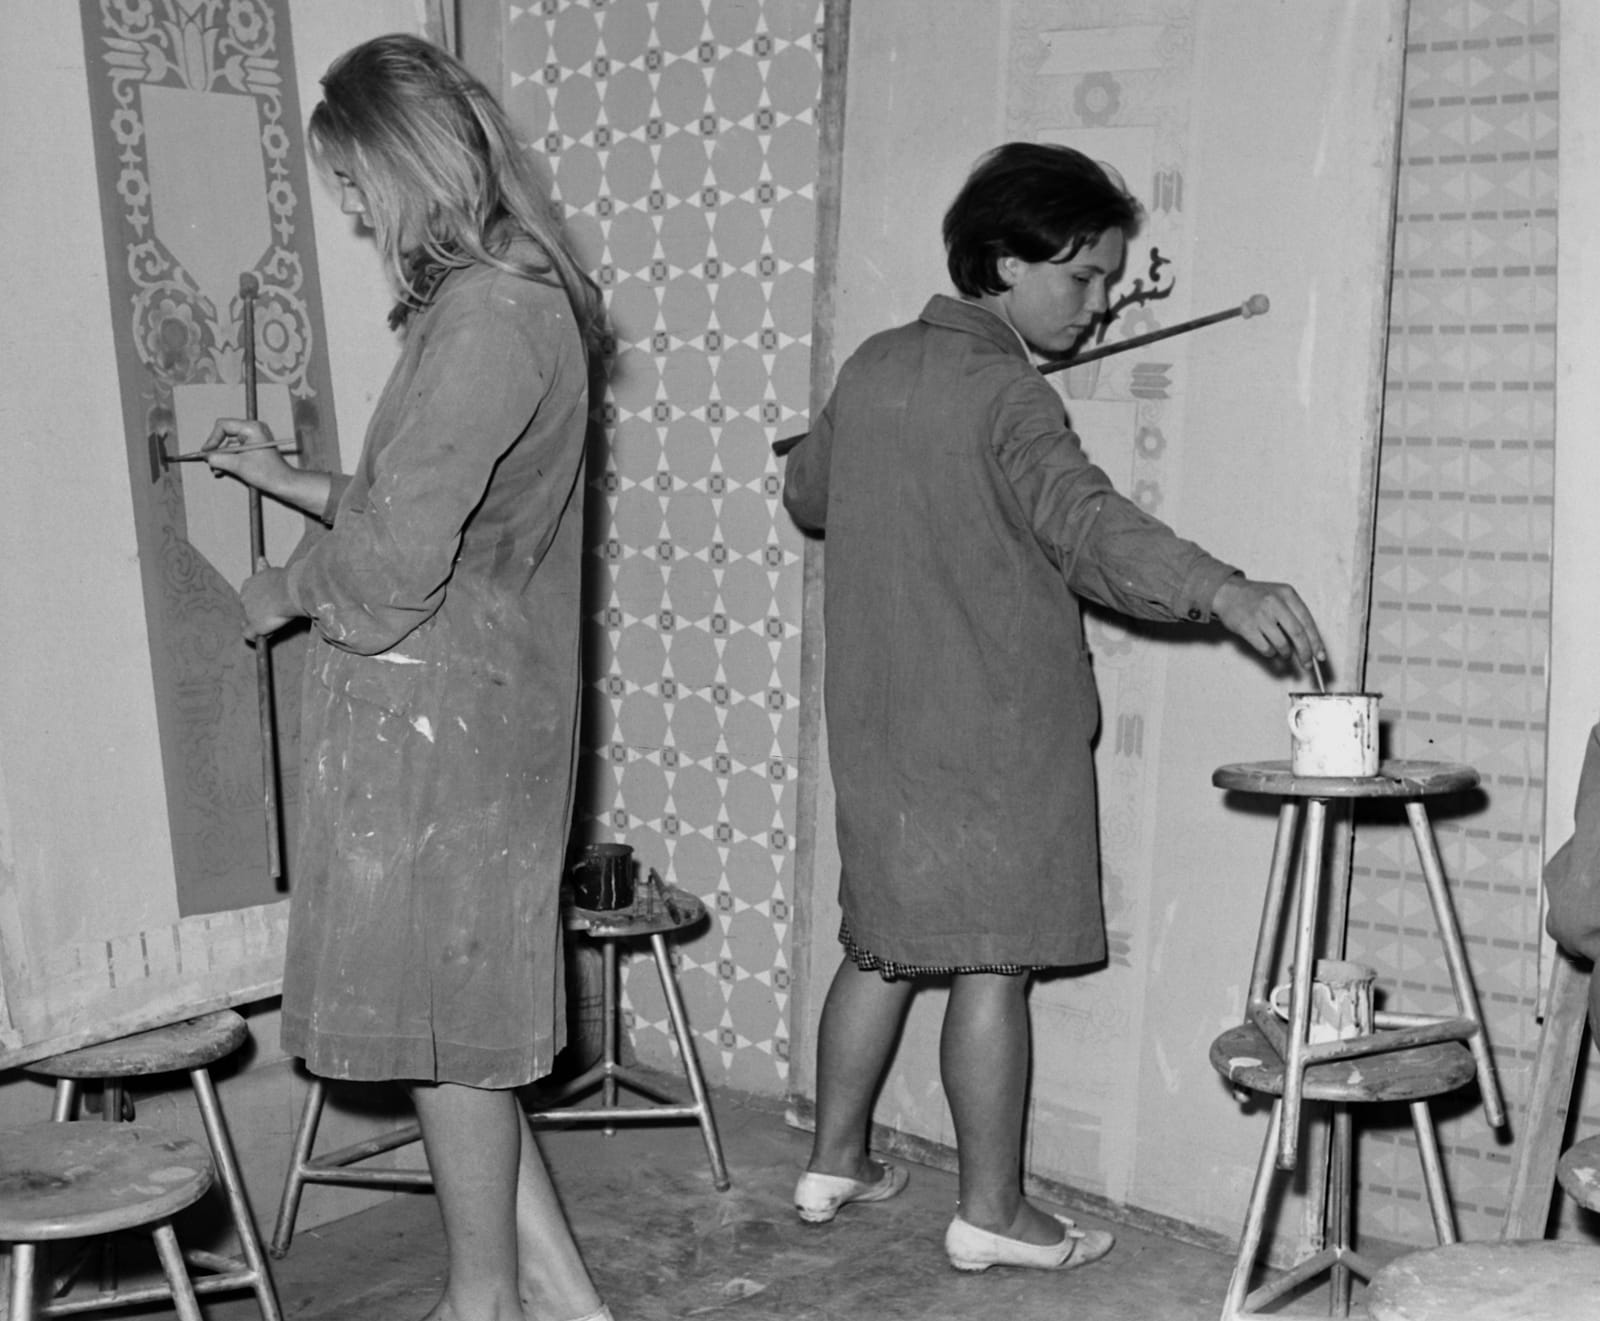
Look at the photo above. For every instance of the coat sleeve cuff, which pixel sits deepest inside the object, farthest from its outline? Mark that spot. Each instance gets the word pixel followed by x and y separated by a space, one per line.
pixel 337 482
pixel 293 576
pixel 1200 588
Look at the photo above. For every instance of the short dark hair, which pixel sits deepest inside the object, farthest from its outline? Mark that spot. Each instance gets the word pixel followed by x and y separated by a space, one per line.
pixel 1031 200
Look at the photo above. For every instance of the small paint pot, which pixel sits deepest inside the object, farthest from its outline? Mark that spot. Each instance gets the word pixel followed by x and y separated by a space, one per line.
pixel 1333 734
pixel 602 880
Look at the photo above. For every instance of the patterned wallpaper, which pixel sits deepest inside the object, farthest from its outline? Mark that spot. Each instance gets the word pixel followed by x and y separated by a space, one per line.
pixel 682 138
pixel 1460 620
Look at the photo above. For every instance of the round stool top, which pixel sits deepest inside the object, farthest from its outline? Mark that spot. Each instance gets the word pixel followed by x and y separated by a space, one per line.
pixel 1533 1280
pixel 81 1180
pixel 654 909
pixel 1579 1172
pixel 1245 1057
pixel 1395 779
pixel 191 1045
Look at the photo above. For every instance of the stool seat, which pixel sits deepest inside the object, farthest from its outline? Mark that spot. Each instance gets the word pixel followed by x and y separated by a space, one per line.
pixel 1527 1280
pixel 1579 1172
pixel 1395 779
pixel 83 1180
pixel 657 911
pixel 191 1045
pixel 1245 1057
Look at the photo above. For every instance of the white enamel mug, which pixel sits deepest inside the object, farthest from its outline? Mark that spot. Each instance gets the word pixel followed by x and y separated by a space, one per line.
pixel 1333 734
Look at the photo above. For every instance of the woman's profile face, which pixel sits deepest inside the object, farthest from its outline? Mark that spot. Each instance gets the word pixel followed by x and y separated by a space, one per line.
pixel 352 201
pixel 1053 304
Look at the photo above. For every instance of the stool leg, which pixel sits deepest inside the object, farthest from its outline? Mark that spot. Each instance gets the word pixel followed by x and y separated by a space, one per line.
pixel 24 1262
pixel 244 1223
pixel 691 1061
pixel 608 1034
pixel 1339 1209
pixel 1341 822
pixel 1261 973
pixel 1444 915
pixel 1444 1216
pixel 172 1263
pixel 1254 1219
pixel 1305 957
pixel 294 1182
pixel 66 1096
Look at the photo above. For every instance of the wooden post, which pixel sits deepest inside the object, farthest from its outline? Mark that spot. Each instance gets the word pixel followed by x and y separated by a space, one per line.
pixel 1555 1067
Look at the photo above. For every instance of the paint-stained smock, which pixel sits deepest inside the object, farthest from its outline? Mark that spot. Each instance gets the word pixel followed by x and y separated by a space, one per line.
pixel 440 707
pixel 962 523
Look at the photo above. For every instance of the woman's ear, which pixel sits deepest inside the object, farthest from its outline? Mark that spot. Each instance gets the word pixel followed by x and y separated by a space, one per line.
pixel 1008 268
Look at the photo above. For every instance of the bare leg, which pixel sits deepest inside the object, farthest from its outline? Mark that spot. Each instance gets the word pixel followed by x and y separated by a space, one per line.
pixel 984 1058
pixel 473 1138
pixel 861 1021
pixel 504 1229
pixel 554 1282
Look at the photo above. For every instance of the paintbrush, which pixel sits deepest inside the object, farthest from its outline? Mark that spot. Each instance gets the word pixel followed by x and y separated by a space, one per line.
pixel 195 455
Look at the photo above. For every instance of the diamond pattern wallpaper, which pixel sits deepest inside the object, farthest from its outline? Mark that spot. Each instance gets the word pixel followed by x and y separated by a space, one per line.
pixel 682 139
pixel 1460 621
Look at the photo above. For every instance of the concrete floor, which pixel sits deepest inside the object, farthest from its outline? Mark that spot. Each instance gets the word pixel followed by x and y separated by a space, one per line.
pixel 664 1245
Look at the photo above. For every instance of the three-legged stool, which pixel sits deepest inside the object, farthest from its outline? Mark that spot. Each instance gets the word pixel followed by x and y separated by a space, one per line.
pixel 192 1047
pixel 1247 1059
pixel 656 914
pixel 75 1181
pixel 658 911
pixel 1298 850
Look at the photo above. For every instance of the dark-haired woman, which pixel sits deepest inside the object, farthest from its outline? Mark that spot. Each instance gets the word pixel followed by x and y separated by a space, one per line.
pixel 442 686
pixel 963 524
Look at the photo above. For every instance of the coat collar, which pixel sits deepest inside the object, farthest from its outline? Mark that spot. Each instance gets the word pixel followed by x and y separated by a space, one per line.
pixel 956 314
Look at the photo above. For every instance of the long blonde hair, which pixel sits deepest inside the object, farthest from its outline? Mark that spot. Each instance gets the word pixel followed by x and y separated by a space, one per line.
pixel 445 182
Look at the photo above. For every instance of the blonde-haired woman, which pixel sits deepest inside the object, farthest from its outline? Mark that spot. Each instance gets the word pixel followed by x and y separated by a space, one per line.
pixel 441 693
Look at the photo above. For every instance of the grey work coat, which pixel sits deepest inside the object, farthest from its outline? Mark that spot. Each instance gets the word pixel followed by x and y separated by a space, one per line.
pixel 441 702
pixel 963 522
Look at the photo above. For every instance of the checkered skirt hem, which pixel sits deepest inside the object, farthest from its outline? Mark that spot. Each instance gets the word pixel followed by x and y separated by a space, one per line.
pixel 891 971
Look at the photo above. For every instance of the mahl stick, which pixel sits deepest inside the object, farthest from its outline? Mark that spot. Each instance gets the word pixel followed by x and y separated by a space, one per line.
pixel 1255 305
pixel 249 288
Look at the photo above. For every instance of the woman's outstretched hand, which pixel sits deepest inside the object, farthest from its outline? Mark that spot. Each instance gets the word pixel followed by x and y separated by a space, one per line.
pixel 1271 617
pixel 248 451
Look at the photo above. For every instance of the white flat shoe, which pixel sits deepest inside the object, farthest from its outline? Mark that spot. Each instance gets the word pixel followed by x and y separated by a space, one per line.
pixel 972 1249
pixel 818 1197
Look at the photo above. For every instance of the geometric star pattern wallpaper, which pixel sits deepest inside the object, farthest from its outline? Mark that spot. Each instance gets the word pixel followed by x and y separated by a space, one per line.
pixel 681 136
pixel 1460 620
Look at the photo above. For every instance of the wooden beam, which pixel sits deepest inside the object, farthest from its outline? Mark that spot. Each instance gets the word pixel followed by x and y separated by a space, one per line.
pixel 1544 1117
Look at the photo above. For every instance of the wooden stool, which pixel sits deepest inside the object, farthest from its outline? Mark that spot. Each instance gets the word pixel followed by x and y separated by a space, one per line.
pixel 1245 1057
pixel 657 912
pixel 1529 1280
pixel 70 1181
pixel 1579 1172
pixel 193 1047
pixel 1302 822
